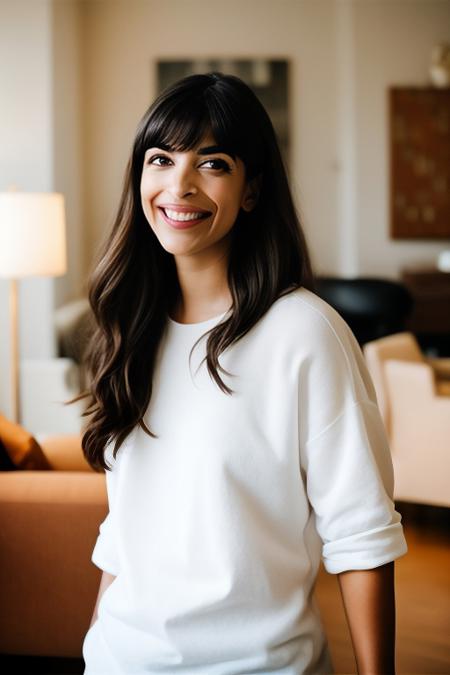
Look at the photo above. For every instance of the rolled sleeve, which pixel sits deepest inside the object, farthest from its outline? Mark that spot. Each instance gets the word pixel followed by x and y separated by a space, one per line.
pixel 350 482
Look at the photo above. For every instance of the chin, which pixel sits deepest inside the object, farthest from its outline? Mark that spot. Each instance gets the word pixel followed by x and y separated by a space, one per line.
pixel 174 248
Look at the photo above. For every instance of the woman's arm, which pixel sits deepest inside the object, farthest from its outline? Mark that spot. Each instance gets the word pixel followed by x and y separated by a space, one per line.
pixel 369 603
pixel 105 581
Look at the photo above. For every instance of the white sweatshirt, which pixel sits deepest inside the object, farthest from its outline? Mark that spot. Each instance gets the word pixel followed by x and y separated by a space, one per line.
pixel 216 528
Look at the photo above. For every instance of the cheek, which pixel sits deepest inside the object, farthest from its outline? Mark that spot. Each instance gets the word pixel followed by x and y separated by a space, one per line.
pixel 142 190
pixel 146 203
pixel 231 205
pixel 147 195
pixel 228 200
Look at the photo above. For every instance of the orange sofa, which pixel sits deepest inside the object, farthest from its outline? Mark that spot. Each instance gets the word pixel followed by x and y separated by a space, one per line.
pixel 49 521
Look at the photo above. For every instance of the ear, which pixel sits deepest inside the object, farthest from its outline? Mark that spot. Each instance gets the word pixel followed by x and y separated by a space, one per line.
pixel 251 193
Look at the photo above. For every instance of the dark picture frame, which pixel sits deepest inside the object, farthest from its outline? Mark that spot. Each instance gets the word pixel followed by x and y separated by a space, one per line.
pixel 419 136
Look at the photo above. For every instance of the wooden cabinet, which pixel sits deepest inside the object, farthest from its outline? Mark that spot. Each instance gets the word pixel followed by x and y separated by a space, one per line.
pixel 430 319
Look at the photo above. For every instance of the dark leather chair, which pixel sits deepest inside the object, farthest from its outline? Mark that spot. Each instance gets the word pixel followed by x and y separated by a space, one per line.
pixel 372 307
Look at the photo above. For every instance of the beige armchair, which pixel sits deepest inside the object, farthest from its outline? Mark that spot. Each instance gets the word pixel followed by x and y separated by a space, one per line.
pixel 401 347
pixel 414 398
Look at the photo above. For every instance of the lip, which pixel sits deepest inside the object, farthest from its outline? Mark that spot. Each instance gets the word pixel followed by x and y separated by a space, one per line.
pixel 181 208
pixel 181 225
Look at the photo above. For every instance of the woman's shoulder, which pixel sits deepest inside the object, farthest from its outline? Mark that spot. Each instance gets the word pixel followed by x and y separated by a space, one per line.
pixel 307 316
pixel 321 342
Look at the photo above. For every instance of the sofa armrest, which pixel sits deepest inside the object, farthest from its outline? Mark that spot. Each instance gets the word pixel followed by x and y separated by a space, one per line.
pixel 49 523
pixel 64 452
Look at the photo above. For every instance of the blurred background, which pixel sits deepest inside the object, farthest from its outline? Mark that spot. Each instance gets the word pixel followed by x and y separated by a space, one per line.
pixel 359 94
pixel 77 75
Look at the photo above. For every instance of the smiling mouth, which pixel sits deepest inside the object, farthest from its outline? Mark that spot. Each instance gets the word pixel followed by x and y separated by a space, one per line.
pixel 183 222
pixel 184 217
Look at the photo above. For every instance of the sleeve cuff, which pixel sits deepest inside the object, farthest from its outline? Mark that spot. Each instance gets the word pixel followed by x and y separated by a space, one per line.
pixel 365 550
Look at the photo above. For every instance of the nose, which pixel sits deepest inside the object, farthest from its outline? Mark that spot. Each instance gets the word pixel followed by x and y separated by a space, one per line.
pixel 183 183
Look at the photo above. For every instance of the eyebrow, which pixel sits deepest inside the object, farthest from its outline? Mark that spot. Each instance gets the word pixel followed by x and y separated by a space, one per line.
pixel 209 150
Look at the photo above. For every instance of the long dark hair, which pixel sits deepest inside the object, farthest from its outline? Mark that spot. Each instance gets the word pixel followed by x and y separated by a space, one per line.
pixel 134 284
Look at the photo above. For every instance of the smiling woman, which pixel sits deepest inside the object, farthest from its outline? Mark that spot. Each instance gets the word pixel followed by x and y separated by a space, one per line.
pixel 223 501
pixel 205 144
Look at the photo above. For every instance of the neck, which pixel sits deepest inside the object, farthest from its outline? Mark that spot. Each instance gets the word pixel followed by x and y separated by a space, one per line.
pixel 204 290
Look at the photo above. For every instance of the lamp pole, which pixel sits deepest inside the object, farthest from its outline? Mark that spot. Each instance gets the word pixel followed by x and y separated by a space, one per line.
pixel 14 345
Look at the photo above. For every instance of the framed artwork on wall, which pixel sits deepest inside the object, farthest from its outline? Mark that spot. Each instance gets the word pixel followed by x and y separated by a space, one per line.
pixel 268 78
pixel 419 126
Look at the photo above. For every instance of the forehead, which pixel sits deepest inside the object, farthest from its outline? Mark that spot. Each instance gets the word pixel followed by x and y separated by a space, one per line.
pixel 206 145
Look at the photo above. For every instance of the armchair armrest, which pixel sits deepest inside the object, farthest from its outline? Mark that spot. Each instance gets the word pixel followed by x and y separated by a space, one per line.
pixel 409 380
pixel 49 523
pixel 419 433
pixel 416 402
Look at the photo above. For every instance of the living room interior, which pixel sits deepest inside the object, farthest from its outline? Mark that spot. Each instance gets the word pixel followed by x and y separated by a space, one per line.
pixel 76 76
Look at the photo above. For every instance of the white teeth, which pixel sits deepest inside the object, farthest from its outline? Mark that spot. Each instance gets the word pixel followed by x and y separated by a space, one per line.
pixel 176 215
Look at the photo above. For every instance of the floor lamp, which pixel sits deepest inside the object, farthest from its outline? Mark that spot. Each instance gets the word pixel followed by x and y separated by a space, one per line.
pixel 32 243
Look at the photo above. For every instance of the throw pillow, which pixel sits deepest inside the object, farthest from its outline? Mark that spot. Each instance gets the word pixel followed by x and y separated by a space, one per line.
pixel 5 461
pixel 22 448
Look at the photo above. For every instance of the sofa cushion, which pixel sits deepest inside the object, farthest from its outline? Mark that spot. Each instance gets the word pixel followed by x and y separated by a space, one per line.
pixel 19 448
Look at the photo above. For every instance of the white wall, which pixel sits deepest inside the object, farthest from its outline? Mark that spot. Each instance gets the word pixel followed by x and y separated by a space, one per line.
pixel 68 140
pixel 25 159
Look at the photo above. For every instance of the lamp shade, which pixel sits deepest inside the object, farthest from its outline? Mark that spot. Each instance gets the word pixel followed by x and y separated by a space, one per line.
pixel 32 234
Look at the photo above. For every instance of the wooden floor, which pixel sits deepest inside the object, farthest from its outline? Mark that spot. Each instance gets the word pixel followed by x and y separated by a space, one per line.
pixel 422 598
pixel 422 581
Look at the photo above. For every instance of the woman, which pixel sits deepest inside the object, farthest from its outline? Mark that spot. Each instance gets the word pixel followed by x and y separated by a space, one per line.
pixel 226 490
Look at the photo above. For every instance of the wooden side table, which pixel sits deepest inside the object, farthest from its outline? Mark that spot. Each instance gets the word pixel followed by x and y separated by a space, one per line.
pixel 430 318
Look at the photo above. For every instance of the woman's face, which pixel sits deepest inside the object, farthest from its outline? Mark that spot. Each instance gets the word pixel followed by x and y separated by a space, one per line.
pixel 191 199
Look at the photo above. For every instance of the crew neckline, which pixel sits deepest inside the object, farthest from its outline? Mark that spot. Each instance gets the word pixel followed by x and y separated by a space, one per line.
pixel 197 324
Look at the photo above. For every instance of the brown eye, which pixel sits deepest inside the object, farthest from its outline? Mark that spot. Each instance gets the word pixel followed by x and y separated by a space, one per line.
pixel 163 157
pixel 221 164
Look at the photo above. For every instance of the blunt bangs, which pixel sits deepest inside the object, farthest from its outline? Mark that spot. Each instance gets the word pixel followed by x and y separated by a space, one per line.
pixel 180 126
pixel 181 117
